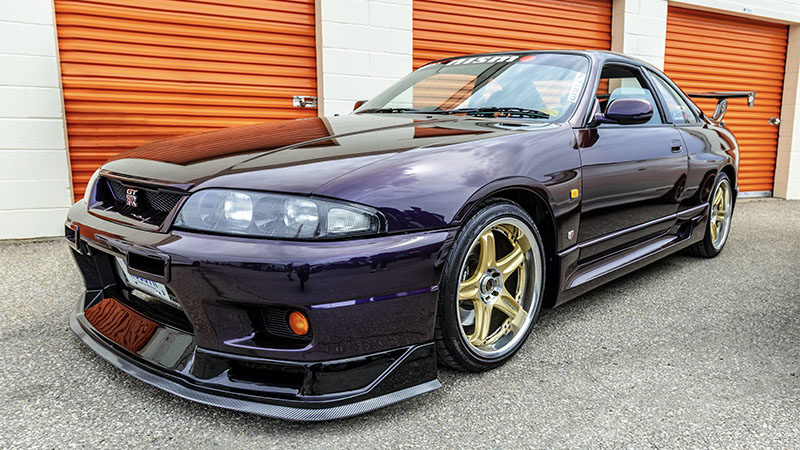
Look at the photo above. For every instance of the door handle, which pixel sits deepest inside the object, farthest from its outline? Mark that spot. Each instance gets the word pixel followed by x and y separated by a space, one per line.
pixel 676 146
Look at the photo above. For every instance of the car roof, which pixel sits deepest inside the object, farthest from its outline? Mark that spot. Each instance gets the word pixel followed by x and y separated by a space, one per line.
pixel 599 56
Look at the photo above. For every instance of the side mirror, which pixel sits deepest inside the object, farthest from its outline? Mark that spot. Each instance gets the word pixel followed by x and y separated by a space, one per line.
pixel 359 103
pixel 626 111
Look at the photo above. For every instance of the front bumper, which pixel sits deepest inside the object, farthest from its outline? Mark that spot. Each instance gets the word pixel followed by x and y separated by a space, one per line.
pixel 169 360
pixel 371 304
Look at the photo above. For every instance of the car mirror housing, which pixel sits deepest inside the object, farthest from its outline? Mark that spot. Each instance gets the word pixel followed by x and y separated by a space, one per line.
pixel 626 111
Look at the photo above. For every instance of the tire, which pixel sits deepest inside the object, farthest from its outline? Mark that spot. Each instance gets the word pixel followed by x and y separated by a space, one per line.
pixel 718 225
pixel 488 303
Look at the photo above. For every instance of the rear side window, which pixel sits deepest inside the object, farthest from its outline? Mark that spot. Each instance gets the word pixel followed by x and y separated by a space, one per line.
pixel 678 110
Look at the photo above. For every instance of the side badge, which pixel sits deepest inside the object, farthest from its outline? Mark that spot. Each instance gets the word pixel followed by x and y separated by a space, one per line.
pixel 570 234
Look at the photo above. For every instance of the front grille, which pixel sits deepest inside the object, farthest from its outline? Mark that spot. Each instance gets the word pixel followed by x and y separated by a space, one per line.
pixel 154 308
pixel 282 375
pixel 152 203
pixel 153 199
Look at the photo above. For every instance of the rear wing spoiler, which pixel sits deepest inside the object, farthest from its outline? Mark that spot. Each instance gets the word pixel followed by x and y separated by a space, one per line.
pixel 722 100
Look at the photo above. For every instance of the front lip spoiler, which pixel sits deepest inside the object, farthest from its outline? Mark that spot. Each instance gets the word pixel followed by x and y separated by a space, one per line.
pixel 177 386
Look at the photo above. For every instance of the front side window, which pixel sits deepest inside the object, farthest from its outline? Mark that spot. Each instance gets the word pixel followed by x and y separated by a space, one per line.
pixel 618 82
pixel 678 110
pixel 546 85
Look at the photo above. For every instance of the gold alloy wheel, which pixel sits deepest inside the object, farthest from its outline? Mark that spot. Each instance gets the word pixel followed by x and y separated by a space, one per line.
pixel 720 217
pixel 500 285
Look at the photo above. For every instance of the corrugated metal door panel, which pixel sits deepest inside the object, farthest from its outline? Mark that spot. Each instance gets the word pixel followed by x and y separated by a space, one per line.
pixel 445 28
pixel 715 52
pixel 138 71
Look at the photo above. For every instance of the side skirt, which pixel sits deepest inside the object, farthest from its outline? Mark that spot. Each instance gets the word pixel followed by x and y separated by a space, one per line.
pixel 578 279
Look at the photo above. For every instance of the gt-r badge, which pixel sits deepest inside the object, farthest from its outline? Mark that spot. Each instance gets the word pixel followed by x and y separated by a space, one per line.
pixel 130 197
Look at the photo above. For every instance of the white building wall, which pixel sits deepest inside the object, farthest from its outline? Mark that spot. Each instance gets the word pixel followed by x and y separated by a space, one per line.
pixel 787 170
pixel 363 46
pixel 786 11
pixel 35 190
pixel 639 29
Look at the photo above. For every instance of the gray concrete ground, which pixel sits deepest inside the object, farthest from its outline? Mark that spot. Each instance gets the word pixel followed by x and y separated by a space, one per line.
pixel 685 353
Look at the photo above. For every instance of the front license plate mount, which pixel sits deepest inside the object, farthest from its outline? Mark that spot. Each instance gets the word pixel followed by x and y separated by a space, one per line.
pixel 149 288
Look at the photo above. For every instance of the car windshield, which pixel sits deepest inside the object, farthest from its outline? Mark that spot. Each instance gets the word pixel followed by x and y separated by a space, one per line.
pixel 538 86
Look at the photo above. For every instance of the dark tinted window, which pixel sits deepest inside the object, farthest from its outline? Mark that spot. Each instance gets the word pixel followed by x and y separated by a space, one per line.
pixel 678 111
pixel 617 82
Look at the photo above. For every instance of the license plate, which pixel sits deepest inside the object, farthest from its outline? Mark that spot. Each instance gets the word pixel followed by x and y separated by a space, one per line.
pixel 153 288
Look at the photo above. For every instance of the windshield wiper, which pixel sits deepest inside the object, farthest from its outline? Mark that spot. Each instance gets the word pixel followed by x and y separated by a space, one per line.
pixel 486 111
pixel 510 110
pixel 393 111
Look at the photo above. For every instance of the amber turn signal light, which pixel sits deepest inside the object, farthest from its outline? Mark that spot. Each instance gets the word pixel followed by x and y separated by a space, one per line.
pixel 298 323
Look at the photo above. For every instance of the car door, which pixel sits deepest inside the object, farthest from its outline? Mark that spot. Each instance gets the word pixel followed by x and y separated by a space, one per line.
pixel 705 147
pixel 633 175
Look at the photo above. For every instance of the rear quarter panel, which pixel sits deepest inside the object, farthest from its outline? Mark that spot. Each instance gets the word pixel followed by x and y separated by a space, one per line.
pixel 710 148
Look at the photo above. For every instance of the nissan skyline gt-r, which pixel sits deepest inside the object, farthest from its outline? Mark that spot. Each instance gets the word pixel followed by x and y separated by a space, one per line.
pixel 321 268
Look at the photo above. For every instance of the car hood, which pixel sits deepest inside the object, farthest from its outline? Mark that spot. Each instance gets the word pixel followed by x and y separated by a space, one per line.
pixel 299 156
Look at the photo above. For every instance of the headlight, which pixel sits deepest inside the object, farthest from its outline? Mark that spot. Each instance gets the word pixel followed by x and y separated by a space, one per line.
pixel 87 195
pixel 273 215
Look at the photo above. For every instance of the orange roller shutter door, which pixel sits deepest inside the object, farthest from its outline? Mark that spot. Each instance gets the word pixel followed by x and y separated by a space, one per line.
pixel 445 28
pixel 137 71
pixel 715 52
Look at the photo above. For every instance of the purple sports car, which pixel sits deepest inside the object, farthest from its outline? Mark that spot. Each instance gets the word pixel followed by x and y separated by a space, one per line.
pixel 321 268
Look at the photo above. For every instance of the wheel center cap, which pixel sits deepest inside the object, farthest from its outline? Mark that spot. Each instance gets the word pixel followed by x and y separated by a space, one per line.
pixel 491 285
